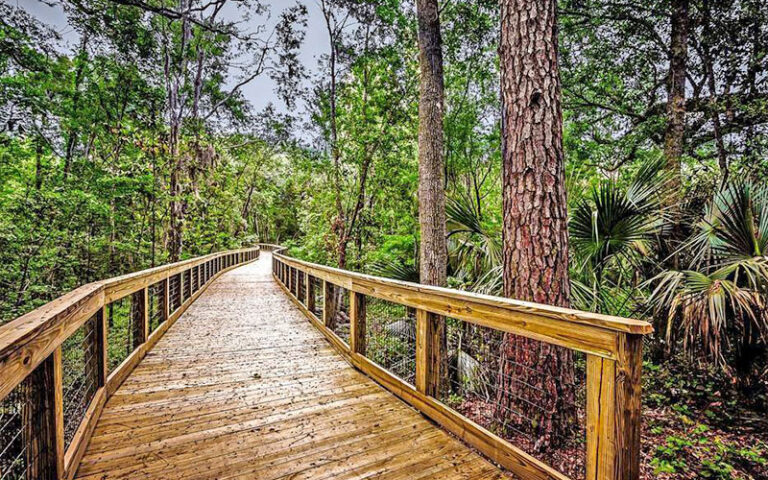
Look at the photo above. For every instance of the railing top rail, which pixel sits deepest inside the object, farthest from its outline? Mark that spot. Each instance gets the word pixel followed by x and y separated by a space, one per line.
pixel 619 324
pixel 34 335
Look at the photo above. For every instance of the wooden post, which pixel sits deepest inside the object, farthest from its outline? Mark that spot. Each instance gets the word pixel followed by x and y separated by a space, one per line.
pixel 613 412
pixel 43 421
pixel 166 306
pixel 430 330
pixel 329 306
pixel 309 295
pixel 102 351
pixel 357 322
pixel 141 319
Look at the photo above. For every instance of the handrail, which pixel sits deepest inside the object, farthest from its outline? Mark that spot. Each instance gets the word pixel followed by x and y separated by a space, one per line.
pixel 31 351
pixel 612 345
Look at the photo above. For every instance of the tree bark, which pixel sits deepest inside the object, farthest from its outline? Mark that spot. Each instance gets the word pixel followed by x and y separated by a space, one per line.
pixel 675 132
pixel 433 251
pixel 535 231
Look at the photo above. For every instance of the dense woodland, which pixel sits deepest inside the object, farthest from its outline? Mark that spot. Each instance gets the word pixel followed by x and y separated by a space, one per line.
pixel 403 152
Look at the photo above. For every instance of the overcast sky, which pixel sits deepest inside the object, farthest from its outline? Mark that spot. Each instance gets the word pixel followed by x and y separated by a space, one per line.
pixel 260 92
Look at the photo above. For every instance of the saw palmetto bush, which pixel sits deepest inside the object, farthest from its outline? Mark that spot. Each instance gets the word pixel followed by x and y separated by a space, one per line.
pixel 716 308
pixel 613 231
pixel 474 247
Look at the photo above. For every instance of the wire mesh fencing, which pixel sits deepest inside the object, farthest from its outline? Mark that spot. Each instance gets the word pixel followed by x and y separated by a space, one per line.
pixel 195 281
pixel 156 305
pixel 529 393
pixel 390 337
pixel 174 292
pixel 123 325
pixel 186 276
pixel 17 459
pixel 301 289
pixel 316 290
pixel 336 311
pixel 80 365
pixel 294 276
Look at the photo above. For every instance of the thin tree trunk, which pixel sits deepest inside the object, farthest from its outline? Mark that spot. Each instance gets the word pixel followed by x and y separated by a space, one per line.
pixel 675 131
pixel 339 223
pixel 433 253
pixel 535 232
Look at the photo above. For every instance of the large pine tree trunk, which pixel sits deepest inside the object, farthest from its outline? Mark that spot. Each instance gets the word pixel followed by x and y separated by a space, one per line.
pixel 675 132
pixel 535 232
pixel 433 250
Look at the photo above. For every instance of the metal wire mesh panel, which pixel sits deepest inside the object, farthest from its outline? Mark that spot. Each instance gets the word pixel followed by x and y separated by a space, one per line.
pixel 293 280
pixel 301 288
pixel 121 330
pixel 174 292
pixel 187 282
pixel 156 305
pixel 16 459
pixel 515 388
pixel 316 287
pixel 337 305
pixel 195 282
pixel 80 375
pixel 390 337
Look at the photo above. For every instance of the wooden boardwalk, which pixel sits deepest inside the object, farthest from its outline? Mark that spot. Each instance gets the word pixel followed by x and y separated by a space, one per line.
pixel 243 386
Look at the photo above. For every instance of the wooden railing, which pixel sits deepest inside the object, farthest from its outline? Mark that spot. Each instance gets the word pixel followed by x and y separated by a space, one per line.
pixel 61 362
pixel 359 314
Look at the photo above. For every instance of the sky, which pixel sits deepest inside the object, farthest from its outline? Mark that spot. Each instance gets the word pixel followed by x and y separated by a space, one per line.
pixel 260 92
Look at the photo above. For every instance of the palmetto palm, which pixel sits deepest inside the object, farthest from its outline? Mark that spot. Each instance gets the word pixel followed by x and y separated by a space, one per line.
pixel 474 247
pixel 612 233
pixel 718 305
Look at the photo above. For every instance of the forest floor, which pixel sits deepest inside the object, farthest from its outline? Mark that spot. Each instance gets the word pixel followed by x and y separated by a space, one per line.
pixel 691 429
pixel 696 424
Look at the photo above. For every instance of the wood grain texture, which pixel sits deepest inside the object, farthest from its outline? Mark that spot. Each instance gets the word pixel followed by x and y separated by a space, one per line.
pixel 469 306
pixel 613 389
pixel 31 338
pixel 242 386
pixel 497 449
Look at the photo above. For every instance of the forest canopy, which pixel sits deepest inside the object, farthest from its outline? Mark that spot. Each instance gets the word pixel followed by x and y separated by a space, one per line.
pixel 136 146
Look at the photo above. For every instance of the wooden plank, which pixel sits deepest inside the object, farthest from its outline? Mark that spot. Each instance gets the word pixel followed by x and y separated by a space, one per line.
pixel 460 302
pixel 57 392
pixel 500 451
pixel 309 296
pixel 26 342
pixel 165 306
pixel 613 413
pixel 329 304
pixel 601 390
pixel 357 322
pixel 83 434
pixel 430 337
pixel 195 408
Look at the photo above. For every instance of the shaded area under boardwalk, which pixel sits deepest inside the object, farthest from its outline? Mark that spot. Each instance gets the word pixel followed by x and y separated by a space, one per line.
pixel 243 386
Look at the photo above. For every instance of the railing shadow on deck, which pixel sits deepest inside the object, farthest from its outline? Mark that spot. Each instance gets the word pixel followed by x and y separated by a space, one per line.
pixel 60 363
pixel 443 352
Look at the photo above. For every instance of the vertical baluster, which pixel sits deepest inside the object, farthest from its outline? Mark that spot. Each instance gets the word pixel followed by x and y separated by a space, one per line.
pixel 430 331
pixel 357 322
pixel 613 412
pixel 166 308
pixel 329 305
pixel 102 352
pixel 309 296
pixel 141 317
